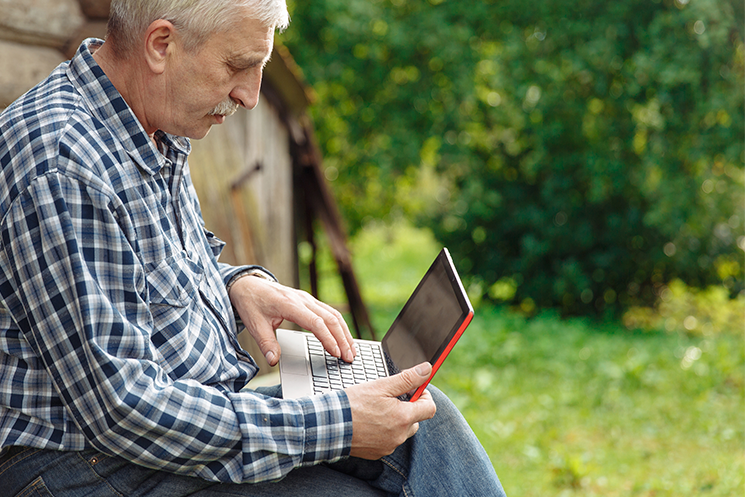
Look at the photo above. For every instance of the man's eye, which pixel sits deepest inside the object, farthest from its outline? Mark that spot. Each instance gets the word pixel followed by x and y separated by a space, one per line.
pixel 242 67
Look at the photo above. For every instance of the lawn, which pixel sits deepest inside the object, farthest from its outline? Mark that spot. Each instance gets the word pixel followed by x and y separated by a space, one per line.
pixel 572 406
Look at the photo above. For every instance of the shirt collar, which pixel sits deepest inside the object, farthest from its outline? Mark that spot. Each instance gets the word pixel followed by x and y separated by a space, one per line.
pixel 108 105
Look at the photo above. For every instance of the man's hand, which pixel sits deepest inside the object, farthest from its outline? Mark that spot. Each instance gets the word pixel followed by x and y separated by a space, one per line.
pixel 380 421
pixel 263 305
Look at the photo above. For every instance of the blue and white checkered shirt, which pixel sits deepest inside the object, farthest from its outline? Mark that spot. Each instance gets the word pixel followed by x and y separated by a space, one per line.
pixel 116 331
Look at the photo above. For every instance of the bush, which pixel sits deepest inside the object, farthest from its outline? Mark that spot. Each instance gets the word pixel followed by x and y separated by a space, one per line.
pixel 606 155
pixel 575 154
pixel 694 312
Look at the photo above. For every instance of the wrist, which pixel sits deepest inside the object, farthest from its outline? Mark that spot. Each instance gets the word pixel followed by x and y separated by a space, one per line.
pixel 254 271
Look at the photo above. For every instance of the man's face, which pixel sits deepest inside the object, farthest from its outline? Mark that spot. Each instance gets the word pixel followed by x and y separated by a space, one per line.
pixel 202 87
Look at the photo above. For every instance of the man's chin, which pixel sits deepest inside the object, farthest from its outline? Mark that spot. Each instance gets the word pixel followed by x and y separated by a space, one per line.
pixel 200 132
pixel 199 136
pixel 200 129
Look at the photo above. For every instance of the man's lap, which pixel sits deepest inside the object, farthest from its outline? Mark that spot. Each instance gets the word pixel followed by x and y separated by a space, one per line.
pixel 74 474
pixel 444 458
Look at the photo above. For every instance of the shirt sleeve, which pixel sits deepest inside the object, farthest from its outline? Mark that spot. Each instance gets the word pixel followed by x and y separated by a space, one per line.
pixel 76 288
pixel 229 272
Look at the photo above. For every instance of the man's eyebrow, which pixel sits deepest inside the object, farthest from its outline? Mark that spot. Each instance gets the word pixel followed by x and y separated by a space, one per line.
pixel 244 62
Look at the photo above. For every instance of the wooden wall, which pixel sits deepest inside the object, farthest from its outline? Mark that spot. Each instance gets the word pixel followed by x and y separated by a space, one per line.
pixel 243 174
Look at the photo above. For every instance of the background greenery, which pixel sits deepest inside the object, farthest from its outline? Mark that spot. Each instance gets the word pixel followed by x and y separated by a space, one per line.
pixel 571 153
pixel 570 406
pixel 578 158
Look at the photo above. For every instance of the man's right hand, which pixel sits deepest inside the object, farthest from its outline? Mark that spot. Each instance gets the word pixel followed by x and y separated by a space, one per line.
pixel 381 422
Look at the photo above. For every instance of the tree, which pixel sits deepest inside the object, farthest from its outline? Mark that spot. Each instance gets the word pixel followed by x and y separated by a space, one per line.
pixel 569 153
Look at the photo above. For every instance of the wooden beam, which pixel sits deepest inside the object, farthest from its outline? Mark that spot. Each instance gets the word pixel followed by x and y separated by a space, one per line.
pixel 323 205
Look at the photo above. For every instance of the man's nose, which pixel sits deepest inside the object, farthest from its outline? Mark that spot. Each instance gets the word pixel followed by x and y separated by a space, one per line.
pixel 246 93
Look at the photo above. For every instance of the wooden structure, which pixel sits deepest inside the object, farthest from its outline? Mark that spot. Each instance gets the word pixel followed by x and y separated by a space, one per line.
pixel 258 176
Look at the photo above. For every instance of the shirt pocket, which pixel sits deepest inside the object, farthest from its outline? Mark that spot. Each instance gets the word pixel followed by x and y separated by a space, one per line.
pixel 174 281
pixel 185 332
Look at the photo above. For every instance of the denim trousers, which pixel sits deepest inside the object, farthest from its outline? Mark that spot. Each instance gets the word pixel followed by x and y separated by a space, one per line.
pixel 444 458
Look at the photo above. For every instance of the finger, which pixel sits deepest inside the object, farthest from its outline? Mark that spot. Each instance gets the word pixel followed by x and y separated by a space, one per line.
pixel 339 334
pixel 338 327
pixel 426 396
pixel 326 323
pixel 271 303
pixel 424 408
pixel 412 430
pixel 264 336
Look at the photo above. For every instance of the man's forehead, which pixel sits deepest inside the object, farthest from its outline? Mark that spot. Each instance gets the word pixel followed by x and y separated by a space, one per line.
pixel 249 41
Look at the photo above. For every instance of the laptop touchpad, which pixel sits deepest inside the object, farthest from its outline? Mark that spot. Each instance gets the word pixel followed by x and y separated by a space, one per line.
pixel 293 364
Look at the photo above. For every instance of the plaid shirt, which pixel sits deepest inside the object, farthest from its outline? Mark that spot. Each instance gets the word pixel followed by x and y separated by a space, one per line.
pixel 116 331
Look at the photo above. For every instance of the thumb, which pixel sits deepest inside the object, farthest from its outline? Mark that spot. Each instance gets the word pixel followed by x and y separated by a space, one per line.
pixel 265 338
pixel 409 379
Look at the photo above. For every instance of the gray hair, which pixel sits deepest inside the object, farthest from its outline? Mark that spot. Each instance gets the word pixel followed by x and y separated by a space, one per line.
pixel 195 19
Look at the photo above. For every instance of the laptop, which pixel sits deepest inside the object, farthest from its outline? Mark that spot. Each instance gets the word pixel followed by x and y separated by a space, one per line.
pixel 426 329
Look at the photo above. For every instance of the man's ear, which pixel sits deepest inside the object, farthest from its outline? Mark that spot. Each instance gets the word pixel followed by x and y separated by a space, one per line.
pixel 160 39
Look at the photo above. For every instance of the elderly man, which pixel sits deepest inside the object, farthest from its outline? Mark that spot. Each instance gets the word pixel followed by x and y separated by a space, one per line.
pixel 120 369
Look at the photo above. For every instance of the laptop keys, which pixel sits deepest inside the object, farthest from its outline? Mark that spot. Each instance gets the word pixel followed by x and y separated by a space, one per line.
pixel 330 373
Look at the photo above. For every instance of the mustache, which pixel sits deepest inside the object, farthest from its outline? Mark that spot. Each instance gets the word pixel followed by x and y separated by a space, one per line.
pixel 227 107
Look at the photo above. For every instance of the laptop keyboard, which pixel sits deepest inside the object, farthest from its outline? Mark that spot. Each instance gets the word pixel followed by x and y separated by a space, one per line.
pixel 330 373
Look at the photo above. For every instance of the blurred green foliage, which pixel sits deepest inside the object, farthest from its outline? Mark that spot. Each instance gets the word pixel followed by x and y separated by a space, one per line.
pixel 571 154
pixel 681 309
pixel 568 407
pixel 389 261
pixel 575 406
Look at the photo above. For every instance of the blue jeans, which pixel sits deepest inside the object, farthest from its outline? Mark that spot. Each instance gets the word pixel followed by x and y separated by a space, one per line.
pixel 444 458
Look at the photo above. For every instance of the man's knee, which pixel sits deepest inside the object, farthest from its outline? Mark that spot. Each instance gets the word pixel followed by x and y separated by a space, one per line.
pixel 445 406
pixel 448 416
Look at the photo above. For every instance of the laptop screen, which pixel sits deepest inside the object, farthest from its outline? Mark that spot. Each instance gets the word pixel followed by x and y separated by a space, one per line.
pixel 428 323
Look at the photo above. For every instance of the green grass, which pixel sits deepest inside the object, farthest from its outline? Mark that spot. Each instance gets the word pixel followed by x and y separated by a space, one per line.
pixel 572 407
pixel 565 407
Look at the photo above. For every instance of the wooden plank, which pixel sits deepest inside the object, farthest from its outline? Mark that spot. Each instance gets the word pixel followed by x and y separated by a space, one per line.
pixel 321 201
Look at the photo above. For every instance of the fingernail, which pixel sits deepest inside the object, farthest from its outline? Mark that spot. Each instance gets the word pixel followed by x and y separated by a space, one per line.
pixel 270 357
pixel 337 352
pixel 423 369
pixel 349 356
